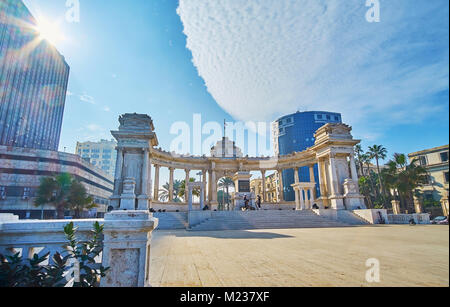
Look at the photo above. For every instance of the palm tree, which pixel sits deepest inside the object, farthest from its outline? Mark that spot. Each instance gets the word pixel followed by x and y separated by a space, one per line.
pixel 410 178
pixel 378 152
pixel 181 192
pixel 164 192
pixel 226 182
pixel 78 200
pixel 54 190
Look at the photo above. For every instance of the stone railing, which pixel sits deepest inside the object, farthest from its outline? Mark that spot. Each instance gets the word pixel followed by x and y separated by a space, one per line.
pixel 41 237
pixel 422 219
pixel 126 243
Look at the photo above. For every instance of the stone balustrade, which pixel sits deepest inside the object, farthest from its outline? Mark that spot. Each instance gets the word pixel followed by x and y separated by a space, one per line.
pixel 126 243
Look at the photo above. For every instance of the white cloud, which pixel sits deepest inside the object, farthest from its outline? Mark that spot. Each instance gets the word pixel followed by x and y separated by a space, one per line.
pixel 107 109
pixel 87 98
pixel 264 58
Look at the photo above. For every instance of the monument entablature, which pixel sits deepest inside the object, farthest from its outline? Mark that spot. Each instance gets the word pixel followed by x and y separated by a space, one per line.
pixel 333 152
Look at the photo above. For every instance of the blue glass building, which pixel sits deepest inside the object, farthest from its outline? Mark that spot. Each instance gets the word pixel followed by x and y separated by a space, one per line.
pixel 33 82
pixel 295 133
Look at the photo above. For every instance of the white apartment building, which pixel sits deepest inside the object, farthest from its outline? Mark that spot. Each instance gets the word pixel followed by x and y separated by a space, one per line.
pixel 100 154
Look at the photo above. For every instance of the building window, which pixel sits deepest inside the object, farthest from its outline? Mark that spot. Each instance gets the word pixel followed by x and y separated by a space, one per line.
pixel 444 156
pixel 2 193
pixel 446 177
pixel 26 193
pixel 423 160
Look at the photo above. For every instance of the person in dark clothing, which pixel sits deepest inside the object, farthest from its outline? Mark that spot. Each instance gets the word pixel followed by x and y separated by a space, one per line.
pixel 258 201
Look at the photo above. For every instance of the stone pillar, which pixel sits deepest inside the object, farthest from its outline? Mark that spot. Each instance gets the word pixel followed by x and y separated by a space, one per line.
pixel 296 177
pixel 213 187
pixel 396 207
pixel 312 179
pixel 297 199
pixel 143 199
pixel 280 176
pixel 322 181
pixel 209 187
pixel 333 178
pixel 115 199
pixel 302 199
pixel 156 187
pixel 126 248
pixel 171 196
pixel 189 189
pixel 186 184
pixel 353 169
pixel 445 205
pixel 263 174
pixel 418 205
pixel 204 173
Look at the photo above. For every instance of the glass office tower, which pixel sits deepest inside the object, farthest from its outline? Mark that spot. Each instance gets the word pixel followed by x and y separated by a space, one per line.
pixel 33 82
pixel 295 133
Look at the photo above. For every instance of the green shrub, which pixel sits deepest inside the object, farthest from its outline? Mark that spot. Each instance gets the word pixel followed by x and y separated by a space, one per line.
pixel 17 272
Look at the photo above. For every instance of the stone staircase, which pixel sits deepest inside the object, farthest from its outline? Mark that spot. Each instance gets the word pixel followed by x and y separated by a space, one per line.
pixel 171 220
pixel 266 220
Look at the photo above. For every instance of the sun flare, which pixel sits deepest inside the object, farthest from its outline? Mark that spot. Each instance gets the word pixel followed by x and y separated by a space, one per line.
pixel 49 31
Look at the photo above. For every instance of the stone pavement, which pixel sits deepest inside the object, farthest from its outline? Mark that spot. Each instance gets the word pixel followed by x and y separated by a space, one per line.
pixel 409 256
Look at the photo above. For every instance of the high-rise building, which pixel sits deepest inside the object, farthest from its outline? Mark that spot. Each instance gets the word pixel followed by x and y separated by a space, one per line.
pixel 33 82
pixel 295 133
pixel 100 154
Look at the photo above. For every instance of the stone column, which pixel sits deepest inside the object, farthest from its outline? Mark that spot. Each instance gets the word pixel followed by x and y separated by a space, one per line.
pixel 353 169
pixel 445 205
pixel 418 205
pixel 204 185
pixel 280 176
pixel 144 198
pixel 209 186
pixel 396 207
pixel 115 199
pixel 296 177
pixel 213 188
pixel 297 199
pixel 263 173
pixel 171 196
pixel 322 179
pixel 126 248
pixel 333 178
pixel 156 187
pixel 189 189
pixel 302 199
pixel 186 184
pixel 312 179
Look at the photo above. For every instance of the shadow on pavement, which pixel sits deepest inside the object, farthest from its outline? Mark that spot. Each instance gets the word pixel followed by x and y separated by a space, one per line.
pixel 228 234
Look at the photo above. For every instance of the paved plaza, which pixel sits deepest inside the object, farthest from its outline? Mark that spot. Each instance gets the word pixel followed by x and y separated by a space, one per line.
pixel 409 256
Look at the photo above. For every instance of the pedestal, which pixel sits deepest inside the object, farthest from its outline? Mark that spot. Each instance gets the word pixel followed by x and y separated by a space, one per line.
pixel 126 248
pixel 143 202
pixel 337 202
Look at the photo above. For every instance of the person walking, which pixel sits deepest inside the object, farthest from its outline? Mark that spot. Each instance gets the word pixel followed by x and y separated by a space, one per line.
pixel 258 201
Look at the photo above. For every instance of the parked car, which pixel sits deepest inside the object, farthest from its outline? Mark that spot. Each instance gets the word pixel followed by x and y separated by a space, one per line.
pixel 440 220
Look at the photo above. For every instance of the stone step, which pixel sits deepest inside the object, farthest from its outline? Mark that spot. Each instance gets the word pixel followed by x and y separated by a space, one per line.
pixel 266 220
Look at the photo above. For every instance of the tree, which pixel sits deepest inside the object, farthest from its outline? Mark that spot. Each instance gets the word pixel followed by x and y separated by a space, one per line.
pixel 55 191
pixel 78 199
pixel 164 192
pixel 225 182
pixel 378 152
pixel 181 192
pixel 405 179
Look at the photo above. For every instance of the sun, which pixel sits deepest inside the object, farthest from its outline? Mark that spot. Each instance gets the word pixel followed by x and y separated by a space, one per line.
pixel 50 31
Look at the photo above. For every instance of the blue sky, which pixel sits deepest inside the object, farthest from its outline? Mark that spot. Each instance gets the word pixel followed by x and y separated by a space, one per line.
pixel 257 60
